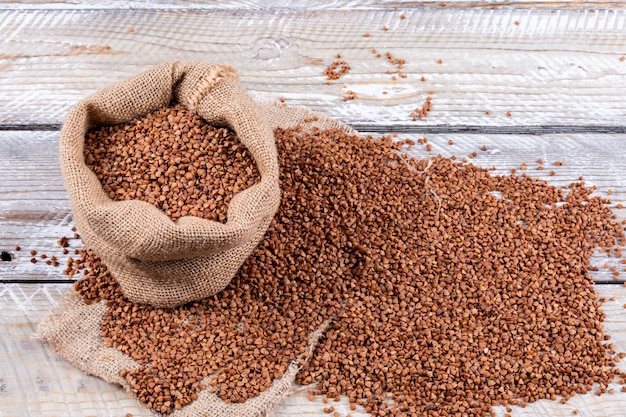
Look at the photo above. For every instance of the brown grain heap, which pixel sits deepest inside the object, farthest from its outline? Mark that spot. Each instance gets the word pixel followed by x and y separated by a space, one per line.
pixel 450 290
pixel 174 160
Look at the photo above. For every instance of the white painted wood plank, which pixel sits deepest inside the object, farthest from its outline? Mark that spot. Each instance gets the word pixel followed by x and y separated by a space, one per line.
pixel 34 382
pixel 304 4
pixel 34 208
pixel 555 68
pixel 35 212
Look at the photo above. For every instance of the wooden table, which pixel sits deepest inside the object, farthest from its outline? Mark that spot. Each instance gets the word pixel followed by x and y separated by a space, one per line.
pixel 528 79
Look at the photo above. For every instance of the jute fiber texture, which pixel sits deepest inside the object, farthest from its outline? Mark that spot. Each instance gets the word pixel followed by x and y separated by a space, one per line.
pixel 155 260
pixel 73 328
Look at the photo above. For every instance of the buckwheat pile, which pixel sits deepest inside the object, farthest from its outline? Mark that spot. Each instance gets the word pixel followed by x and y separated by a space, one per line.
pixel 450 290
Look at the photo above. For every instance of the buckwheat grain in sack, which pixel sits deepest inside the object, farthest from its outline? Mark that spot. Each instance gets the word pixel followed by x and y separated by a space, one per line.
pixel 156 260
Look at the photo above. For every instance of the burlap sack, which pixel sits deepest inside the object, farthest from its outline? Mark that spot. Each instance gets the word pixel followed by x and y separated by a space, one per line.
pixel 72 328
pixel 155 260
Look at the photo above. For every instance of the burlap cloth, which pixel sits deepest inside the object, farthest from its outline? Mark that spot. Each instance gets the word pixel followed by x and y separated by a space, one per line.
pixel 72 328
pixel 155 260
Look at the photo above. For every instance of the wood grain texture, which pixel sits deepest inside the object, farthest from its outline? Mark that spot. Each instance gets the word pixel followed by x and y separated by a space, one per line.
pixel 558 70
pixel 555 68
pixel 35 211
pixel 307 4
pixel 34 382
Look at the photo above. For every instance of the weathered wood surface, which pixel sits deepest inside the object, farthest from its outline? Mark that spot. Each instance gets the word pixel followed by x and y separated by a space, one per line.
pixel 559 72
pixel 308 5
pixel 35 212
pixel 34 382
pixel 556 70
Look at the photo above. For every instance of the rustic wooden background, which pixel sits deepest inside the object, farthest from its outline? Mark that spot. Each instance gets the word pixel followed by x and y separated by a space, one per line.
pixel 528 79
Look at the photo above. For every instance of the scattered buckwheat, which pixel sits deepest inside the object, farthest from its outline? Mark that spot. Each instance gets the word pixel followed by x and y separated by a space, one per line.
pixel 443 298
pixel 336 70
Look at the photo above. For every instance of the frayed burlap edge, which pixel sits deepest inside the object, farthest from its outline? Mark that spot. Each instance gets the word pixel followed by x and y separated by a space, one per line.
pixel 281 115
pixel 72 329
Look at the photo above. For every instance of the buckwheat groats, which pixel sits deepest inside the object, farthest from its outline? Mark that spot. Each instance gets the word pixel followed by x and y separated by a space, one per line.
pixel 173 160
pixel 450 290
